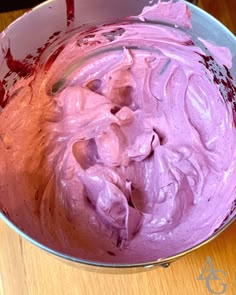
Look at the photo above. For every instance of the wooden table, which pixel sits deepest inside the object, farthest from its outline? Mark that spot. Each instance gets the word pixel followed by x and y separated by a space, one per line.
pixel 26 270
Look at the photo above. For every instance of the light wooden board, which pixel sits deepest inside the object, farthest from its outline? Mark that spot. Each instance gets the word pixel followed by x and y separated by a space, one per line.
pixel 26 270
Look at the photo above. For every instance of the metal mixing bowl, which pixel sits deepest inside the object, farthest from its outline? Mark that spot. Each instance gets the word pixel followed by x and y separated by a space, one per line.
pixel 33 29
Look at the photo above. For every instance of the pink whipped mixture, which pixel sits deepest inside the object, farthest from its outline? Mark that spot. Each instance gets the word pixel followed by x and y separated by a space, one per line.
pixel 123 149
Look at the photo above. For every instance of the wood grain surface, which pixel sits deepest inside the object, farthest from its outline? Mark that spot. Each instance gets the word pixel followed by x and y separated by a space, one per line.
pixel 223 10
pixel 27 270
